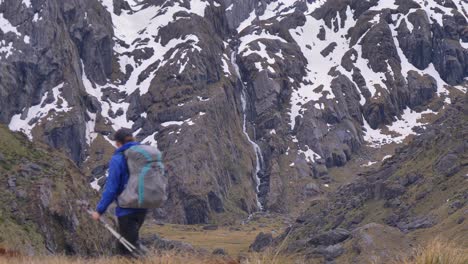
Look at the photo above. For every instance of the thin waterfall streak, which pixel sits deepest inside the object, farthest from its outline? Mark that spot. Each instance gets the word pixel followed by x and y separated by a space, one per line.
pixel 258 151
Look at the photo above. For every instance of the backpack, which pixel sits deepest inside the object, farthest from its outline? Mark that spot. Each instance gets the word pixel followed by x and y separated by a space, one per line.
pixel 147 182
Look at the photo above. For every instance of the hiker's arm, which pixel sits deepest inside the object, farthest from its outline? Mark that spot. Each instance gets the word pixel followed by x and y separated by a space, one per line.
pixel 112 185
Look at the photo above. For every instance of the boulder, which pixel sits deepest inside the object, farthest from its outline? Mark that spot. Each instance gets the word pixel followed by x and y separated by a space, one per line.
pixel 312 189
pixel 367 243
pixel 417 222
pixel 331 237
pixel 447 165
pixel 220 252
pixel 262 241
pixel 329 252
pixel 422 88
pixel 158 243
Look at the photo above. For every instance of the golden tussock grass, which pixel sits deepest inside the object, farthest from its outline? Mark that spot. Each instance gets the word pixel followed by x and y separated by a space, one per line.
pixel 166 258
pixel 437 251
pixel 270 257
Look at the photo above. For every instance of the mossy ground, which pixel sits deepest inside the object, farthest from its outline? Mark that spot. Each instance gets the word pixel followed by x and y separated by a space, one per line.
pixel 37 201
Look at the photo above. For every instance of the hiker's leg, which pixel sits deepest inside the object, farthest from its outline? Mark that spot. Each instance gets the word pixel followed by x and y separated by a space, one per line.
pixel 129 230
pixel 139 219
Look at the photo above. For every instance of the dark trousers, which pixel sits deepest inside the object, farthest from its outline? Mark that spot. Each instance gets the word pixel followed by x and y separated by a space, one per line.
pixel 129 228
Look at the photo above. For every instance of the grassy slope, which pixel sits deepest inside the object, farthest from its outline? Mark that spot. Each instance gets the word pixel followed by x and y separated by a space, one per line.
pixel 38 191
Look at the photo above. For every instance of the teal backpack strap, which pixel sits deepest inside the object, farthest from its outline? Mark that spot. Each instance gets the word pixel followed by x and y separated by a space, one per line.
pixel 161 164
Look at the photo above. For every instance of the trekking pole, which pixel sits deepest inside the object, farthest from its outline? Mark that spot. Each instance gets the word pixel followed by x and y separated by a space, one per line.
pixel 129 246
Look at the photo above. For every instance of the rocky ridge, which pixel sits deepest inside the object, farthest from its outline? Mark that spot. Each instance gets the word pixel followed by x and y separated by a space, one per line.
pixel 418 194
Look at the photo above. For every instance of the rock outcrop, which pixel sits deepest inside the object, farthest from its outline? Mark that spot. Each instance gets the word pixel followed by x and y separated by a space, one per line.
pixel 40 194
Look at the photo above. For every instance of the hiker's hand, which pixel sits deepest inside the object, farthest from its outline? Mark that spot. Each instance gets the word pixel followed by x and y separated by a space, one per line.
pixel 95 216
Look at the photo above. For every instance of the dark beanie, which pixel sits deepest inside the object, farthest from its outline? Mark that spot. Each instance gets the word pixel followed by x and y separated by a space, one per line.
pixel 122 134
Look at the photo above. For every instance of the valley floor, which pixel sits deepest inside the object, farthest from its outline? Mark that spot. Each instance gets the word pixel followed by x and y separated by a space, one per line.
pixel 233 239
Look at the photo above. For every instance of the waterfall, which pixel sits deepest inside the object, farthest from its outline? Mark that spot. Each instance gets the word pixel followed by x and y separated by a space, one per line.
pixel 258 151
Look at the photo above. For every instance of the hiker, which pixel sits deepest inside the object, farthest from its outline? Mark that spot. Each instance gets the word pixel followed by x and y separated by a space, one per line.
pixel 130 220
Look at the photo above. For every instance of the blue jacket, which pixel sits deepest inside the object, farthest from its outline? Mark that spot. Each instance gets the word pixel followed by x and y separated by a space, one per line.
pixel 116 183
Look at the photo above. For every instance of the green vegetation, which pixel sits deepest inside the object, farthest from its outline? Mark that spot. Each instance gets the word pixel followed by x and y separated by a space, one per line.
pixel 37 200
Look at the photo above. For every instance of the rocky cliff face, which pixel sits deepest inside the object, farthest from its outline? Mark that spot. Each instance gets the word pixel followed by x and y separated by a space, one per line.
pixel 249 100
pixel 39 213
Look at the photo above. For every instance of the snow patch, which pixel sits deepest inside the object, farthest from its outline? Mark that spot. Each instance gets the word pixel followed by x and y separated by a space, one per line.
pixel 386 157
pixel 370 163
pixel 310 155
pixel 95 184
pixel 6 26
pixel 151 140
pixel 6 50
pixel 35 114
pixel 27 3
pixel 178 123
pixel 311 47
pixel 247 22
pixel 403 128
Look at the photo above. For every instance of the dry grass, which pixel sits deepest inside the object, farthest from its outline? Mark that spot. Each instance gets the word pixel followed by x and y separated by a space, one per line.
pixel 233 241
pixel 165 258
pixel 437 251
pixel 268 257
